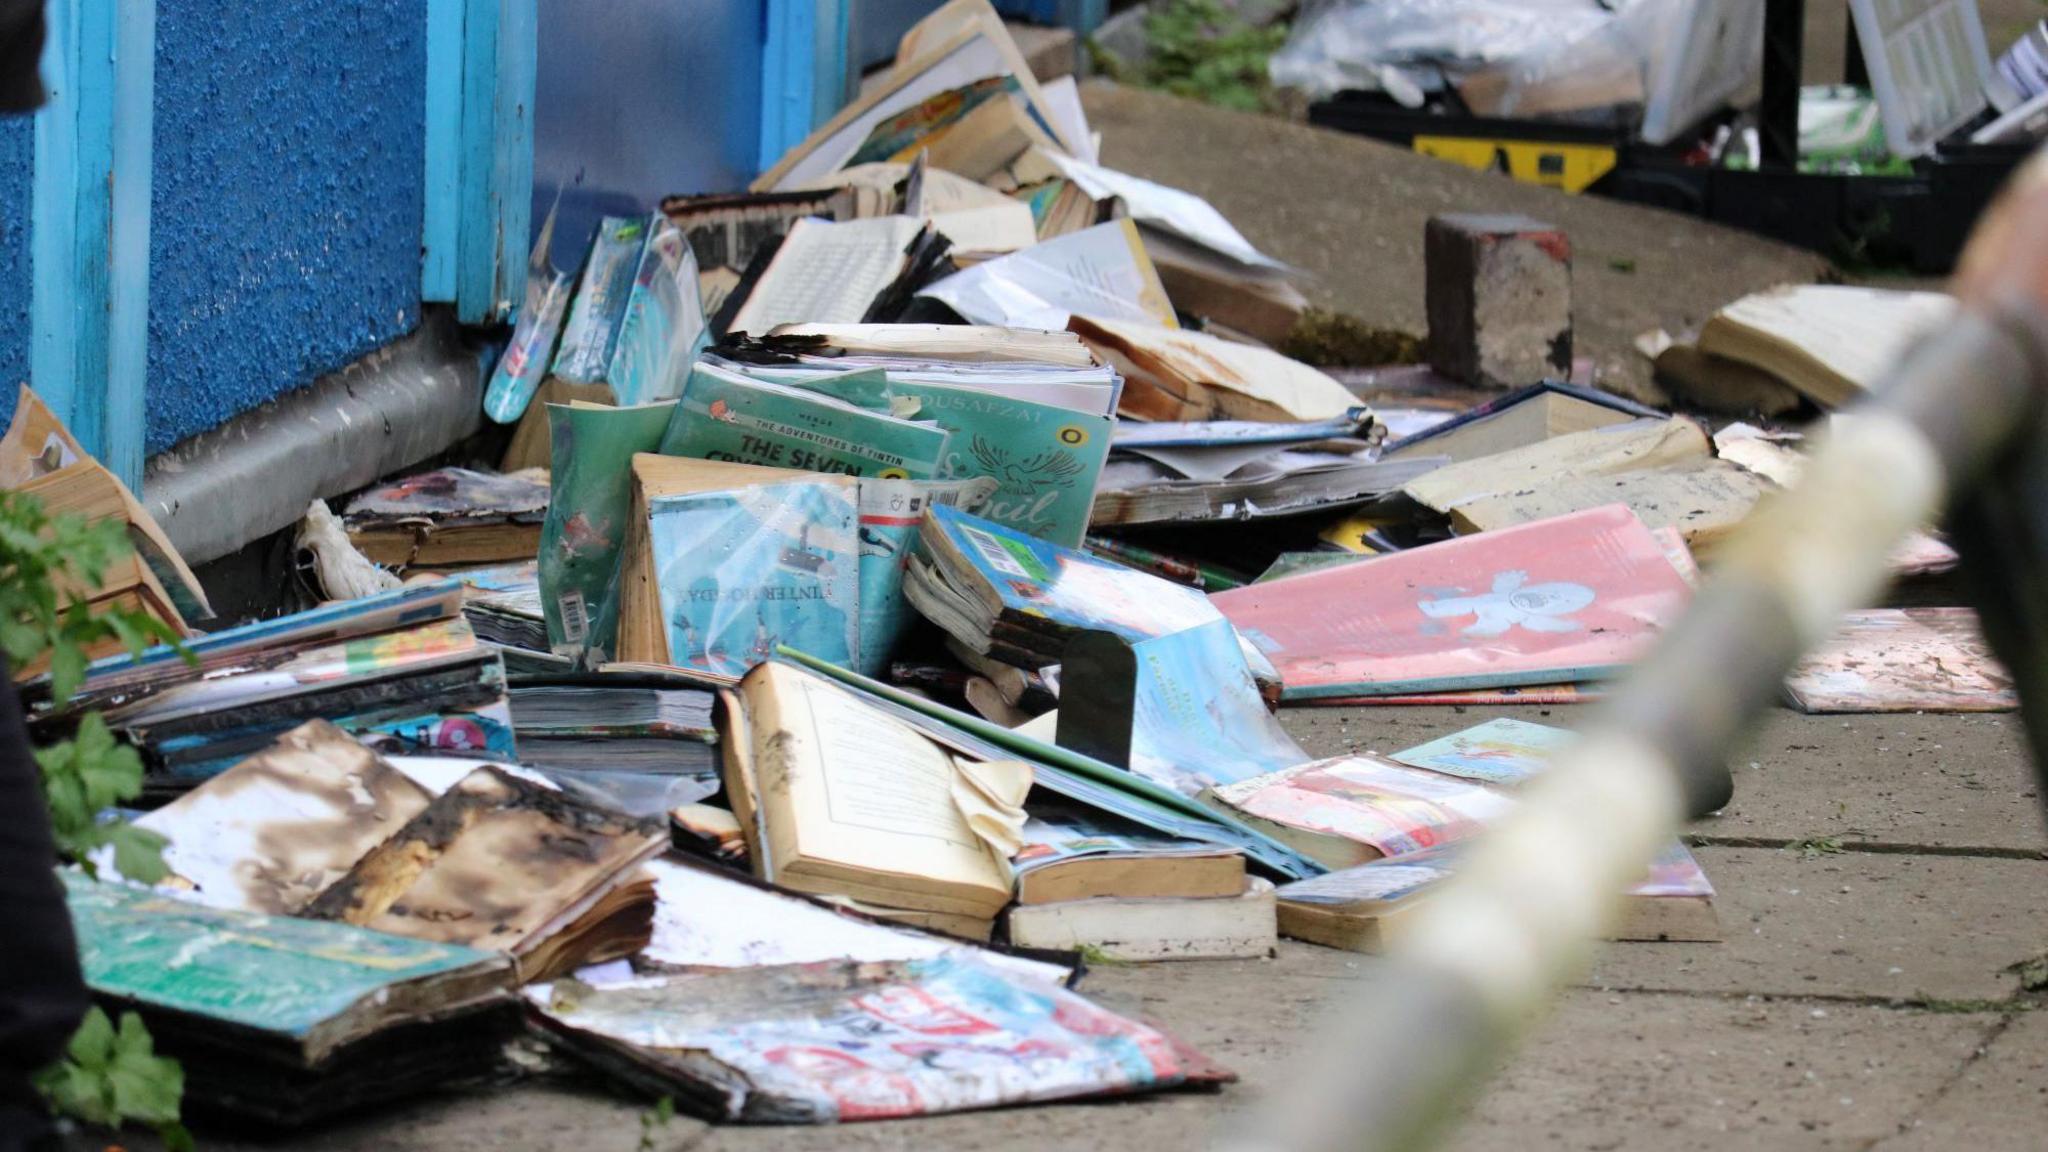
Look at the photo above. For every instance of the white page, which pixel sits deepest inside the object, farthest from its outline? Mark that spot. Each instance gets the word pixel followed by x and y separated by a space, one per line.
pixel 704 920
pixel 1181 213
pixel 1063 104
pixel 828 273
pixel 988 228
pixel 1099 271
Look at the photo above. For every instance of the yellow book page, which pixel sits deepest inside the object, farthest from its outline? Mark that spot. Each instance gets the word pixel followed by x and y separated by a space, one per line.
pixel 862 790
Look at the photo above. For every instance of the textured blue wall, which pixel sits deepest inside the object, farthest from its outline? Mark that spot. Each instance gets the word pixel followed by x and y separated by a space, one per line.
pixel 285 240
pixel 17 159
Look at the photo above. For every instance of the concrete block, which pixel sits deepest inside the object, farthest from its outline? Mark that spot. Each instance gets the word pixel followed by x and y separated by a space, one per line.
pixel 1051 52
pixel 1499 298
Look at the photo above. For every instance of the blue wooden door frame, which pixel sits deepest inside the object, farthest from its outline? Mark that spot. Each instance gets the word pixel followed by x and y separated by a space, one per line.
pixel 479 155
pixel 89 220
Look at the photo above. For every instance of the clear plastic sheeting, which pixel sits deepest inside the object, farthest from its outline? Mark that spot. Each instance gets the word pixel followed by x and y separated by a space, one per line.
pixel 1560 58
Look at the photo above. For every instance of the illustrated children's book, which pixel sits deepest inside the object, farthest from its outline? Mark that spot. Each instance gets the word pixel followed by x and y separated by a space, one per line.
pixel 1350 809
pixel 995 588
pixel 589 516
pixel 1574 598
pixel 745 570
pixel 1502 752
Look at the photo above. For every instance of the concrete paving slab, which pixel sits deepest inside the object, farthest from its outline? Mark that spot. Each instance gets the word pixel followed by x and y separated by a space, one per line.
pixel 1352 212
pixel 1947 782
pixel 1998 1104
pixel 1952 783
pixel 1678 1073
pixel 1877 925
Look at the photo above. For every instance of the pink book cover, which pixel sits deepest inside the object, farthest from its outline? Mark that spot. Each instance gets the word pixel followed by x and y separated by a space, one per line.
pixel 1391 807
pixel 1903 660
pixel 1572 598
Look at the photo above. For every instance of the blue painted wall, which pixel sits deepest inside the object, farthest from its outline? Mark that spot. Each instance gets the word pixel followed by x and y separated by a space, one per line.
pixel 17 157
pixel 639 99
pixel 287 196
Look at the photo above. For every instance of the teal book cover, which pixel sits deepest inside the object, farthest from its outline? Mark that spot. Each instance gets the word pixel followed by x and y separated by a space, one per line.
pixel 275 974
pixel 742 571
pixel 591 335
pixel 1069 588
pixel 726 415
pixel 1045 460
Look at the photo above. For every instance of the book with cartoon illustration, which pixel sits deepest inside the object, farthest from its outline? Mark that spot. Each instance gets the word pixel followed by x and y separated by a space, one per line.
pixel 1573 598
pixel 1044 459
pixel 1350 809
pixel 1503 751
pixel 997 589
pixel 730 416
pixel 1180 710
pixel 742 571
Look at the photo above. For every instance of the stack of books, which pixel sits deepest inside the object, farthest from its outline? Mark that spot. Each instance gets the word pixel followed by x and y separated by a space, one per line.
pixel 402 669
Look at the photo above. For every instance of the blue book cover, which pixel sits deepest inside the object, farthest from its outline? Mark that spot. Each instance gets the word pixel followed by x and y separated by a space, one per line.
pixel 1065 587
pixel 1198 720
pixel 742 571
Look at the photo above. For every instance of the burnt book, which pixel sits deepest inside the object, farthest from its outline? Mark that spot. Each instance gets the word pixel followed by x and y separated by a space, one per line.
pixel 285 1021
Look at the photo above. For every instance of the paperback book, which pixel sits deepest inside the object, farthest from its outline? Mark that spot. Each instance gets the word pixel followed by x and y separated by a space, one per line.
pixel 727 415
pixel 744 571
pixel 1571 599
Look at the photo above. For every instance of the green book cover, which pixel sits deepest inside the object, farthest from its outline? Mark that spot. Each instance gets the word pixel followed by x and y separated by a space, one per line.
pixel 1045 459
pixel 274 974
pixel 725 415
pixel 590 503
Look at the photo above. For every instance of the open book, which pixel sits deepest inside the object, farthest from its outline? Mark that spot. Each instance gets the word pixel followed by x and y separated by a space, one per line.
pixel 839 799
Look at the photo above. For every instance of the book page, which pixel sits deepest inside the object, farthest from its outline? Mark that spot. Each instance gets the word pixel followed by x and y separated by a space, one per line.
pixel 828 273
pixel 875 795
pixel 1097 272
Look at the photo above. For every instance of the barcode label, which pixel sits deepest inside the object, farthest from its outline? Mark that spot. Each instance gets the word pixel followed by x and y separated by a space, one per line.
pixel 575 618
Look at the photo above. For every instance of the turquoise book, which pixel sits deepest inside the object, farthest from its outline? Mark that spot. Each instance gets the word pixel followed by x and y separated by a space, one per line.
pixel 311 983
pixel 848 431
pixel 742 571
pixel 1045 460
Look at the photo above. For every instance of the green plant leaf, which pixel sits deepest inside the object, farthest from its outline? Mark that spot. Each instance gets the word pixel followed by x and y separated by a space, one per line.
pixel 138 852
pixel 144 1086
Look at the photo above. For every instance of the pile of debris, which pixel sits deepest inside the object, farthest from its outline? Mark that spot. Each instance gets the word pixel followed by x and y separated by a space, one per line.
pixel 907 629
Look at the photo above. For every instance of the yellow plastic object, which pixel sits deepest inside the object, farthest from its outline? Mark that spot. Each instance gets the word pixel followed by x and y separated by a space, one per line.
pixel 1349 533
pixel 1570 167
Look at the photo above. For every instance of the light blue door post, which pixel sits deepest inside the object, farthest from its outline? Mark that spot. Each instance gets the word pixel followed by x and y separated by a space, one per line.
pixel 803 70
pixel 479 155
pixel 89 213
